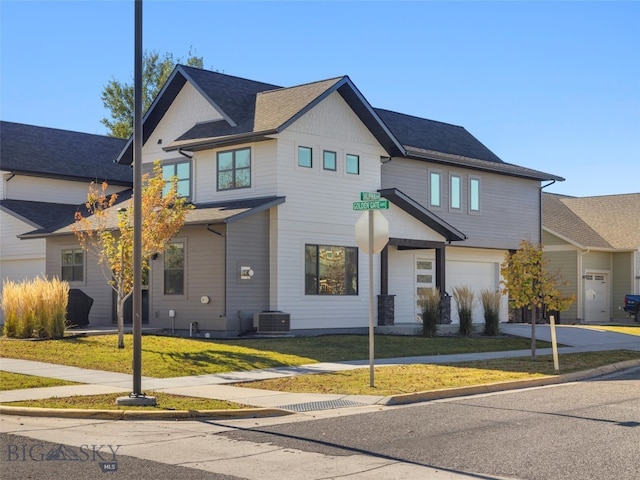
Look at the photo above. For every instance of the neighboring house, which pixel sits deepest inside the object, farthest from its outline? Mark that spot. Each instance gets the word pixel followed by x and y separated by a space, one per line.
pixel 273 173
pixel 594 243
pixel 45 177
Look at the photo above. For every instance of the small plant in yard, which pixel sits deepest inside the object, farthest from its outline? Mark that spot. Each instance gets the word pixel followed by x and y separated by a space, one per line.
pixel 429 303
pixel 35 308
pixel 491 305
pixel 464 298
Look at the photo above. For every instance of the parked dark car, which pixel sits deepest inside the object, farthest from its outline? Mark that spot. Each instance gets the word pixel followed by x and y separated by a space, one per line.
pixel 632 305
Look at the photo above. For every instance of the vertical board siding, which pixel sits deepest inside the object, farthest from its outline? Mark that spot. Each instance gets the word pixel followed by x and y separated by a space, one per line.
pixel 621 273
pixel 204 276
pixel 247 246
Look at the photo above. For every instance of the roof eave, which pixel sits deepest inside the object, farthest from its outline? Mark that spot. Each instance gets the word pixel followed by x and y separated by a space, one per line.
pixel 204 144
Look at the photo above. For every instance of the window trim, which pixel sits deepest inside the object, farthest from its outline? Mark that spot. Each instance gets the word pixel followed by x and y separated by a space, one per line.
pixel 458 197
pixel 354 251
pixel 346 163
pixel 174 163
pixel 310 150
pixel 335 160
pixel 183 242
pixel 432 174
pixel 477 199
pixel 233 169
pixel 73 250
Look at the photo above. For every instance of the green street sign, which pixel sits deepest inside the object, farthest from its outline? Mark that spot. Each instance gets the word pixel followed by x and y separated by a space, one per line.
pixel 372 205
pixel 369 196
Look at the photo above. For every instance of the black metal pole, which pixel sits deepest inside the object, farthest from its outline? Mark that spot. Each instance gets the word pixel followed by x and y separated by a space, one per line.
pixel 137 204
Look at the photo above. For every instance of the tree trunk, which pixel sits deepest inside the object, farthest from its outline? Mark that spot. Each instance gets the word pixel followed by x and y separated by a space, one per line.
pixel 534 314
pixel 120 315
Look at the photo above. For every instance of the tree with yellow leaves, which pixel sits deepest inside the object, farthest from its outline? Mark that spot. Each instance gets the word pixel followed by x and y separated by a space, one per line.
pixel 530 284
pixel 107 231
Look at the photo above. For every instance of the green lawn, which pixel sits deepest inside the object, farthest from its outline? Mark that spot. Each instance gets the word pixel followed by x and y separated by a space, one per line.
pixel 16 381
pixel 164 356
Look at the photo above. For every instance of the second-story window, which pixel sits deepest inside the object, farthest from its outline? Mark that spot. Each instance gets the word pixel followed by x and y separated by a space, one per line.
pixel 329 160
pixel 434 184
pixel 305 157
pixel 182 171
pixel 234 169
pixel 455 193
pixel 353 164
pixel 474 194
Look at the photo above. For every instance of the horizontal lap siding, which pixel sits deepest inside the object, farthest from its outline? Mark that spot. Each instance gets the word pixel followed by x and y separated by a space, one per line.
pixel 566 264
pixel 319 211
pixel 509 206
pixel 50 190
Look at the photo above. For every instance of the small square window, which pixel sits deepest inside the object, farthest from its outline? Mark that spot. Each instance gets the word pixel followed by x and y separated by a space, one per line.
pixel 353 164
pixel 329 160
pixel 305 157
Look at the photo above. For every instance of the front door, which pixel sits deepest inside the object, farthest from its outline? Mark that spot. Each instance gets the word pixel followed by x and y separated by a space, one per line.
pixel 424 280
pixel 596 298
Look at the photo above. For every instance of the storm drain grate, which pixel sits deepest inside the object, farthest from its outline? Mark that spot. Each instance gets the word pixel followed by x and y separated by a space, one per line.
pixel 323 405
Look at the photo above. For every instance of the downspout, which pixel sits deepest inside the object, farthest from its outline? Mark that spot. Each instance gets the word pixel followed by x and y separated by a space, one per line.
pixel 224 273
pixel 541 209
pixel 4 190
pixel 186 155
pixel 580 286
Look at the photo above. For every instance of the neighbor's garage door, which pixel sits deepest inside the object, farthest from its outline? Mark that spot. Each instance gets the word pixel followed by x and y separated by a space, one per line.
pixel 478 276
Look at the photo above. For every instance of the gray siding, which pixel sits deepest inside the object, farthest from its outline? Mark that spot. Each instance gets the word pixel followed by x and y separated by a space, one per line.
pixel 204 276
pixel 621 283
pixel 566 264
pixel 247 246
pixel 509 206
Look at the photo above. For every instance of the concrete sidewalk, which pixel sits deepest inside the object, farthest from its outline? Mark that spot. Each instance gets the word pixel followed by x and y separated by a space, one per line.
pixel 217 386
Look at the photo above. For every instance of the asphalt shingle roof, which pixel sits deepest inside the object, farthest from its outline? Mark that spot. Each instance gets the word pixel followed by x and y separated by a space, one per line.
pixel 54 153
pixel 253 108
pixel 43 216
pixel 609 221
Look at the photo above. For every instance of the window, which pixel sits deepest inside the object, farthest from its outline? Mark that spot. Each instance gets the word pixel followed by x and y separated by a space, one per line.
pixel 73 265
pixel 234 169
pixel 182 171
pixel 434 183
pixel 331 270
pixel 305 155
pixel 174 269
pixel 474 194
pixel 329 160
pixel 455 193
pixel 353 164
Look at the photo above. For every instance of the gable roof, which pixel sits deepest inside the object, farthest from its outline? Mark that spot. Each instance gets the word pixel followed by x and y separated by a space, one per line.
pixel 62 154
pixel 608 222
pixel 253 110
pixel 422 214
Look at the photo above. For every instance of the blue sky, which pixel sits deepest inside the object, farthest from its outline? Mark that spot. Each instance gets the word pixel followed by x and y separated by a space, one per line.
pixel 553 86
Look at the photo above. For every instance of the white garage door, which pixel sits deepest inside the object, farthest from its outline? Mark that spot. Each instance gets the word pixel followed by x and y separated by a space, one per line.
pixel 478 276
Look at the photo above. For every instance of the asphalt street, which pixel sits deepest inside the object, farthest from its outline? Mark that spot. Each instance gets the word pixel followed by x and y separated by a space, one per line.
pixel 585 430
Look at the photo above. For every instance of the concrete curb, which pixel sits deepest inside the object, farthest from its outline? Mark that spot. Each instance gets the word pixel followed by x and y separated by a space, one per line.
pixel 408 398
pixel 392 400
pixel 143 414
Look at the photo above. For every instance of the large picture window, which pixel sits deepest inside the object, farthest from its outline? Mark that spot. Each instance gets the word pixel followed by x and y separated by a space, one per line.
pixel 182 171
pixel 331 270
pixel 174 269
pixel 73 265
pixel 234 169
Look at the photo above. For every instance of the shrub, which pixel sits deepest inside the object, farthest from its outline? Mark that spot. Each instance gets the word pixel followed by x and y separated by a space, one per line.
pixel 464 298
pixel 429 303
pixel 35 308
pixel 491 305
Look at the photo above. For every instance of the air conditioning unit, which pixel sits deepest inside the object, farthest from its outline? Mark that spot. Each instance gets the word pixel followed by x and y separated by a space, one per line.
pixel 272 322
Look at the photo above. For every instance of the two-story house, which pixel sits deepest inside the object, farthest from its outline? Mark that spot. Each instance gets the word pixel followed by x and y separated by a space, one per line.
pixel 45 177
pixel 273 173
